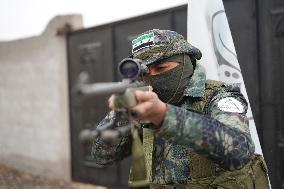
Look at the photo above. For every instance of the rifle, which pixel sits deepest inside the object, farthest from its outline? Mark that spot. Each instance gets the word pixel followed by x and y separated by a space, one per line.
pixel 131 70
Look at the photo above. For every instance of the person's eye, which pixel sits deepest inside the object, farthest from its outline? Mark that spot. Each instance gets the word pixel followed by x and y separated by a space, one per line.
pixel 158 69
pixel 161 69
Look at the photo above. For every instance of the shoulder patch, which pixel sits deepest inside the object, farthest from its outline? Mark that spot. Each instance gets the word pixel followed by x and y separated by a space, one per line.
pixel 230 104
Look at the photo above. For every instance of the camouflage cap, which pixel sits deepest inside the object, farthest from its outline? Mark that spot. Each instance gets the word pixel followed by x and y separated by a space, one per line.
pixel 155 45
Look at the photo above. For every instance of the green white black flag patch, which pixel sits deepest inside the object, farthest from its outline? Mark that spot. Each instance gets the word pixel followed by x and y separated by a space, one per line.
pixel 230 104
pixel 143 41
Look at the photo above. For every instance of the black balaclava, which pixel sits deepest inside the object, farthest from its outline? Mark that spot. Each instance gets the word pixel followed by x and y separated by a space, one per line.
pixel 171 84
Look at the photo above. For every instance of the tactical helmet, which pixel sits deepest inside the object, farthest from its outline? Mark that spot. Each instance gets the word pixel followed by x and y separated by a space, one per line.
pixel 154 45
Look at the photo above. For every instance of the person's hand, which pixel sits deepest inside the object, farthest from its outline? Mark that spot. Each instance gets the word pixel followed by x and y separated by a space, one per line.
pixel 149 107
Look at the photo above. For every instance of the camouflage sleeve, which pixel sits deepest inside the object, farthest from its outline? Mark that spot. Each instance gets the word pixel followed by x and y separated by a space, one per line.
pixel 221 134
pixel 104 152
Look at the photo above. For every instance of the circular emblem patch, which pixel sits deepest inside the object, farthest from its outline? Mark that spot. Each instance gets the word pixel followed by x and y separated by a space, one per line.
pixel 230 104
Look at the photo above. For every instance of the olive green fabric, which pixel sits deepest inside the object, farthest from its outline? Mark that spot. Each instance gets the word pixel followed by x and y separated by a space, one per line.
pixel 201 167
pixel 148 139
pixel 176 79
pixel 252 176
pixel 138 173
pixel 203 173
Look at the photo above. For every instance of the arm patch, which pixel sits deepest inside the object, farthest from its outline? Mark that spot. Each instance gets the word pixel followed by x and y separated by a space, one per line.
pixel 231 104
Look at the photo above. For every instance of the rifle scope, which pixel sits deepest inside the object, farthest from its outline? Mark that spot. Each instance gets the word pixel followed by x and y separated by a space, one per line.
pixel 132 68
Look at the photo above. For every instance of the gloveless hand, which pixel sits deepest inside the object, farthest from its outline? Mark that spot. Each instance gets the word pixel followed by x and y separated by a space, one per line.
pixel 149 107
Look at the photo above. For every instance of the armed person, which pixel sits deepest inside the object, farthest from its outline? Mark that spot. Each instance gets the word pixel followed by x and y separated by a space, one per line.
pixel 196 133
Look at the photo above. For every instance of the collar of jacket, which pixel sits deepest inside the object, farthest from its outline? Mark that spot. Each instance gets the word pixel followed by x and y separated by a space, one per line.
pixel 196 84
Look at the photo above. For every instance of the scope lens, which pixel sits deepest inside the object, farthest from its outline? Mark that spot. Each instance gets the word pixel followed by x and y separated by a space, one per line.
pixel 129 69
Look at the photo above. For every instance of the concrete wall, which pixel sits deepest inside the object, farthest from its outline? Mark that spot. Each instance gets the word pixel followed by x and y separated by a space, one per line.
pixel 34 112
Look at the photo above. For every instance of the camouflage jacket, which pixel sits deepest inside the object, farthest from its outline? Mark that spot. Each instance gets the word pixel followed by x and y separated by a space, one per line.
pixel 220 133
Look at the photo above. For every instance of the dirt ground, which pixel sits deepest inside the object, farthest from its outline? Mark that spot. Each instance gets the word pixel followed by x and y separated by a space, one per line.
pixel 13 179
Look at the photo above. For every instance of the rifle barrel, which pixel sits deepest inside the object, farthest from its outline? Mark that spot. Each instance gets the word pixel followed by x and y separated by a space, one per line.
pixel 106 88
